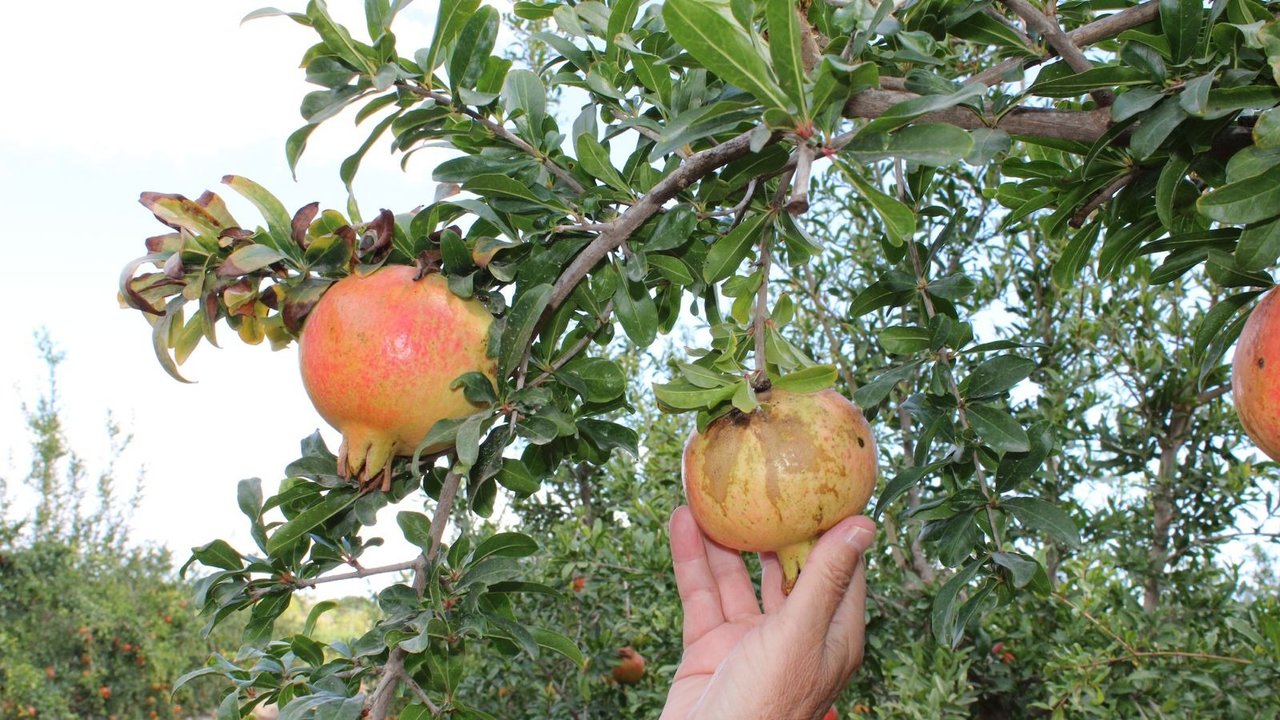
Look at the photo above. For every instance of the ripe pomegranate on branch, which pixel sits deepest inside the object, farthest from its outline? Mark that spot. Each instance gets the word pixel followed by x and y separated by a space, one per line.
pixel 382 343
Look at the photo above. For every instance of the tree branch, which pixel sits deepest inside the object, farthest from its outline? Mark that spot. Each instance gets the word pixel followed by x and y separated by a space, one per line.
pixel 500 131
pixel 358 573
pixel 698 165
pixel 1107 27
pixel 1059 41
pixel 1084 126
pixel 1101 198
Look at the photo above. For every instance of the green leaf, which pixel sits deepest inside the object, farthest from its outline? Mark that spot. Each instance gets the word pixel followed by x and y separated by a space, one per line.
pixel 505 544
pixel 317 610
pixel 523 91
pixel 336 37
pixel 997 428
pixel 249 497
pixel 218 554
pixel 1245 201
pixel 495 185
pixel 943 615
pixel 708 30
pixel 1259 246
pixel 601 379
pixel 1021 568
pixel 899 220
pixel 309 519
pixel 522 320
pixel 808 380
pixel 905 339
pixel 608 436
pixel 296 144
pixel 996 375
pixel 1217 318
pixel 877 390
pixel 1107 77
pixel 900 484
pixel 248 259
pixel 1171 175
pixel 727 253
pixel 555 642
pixel 416 528
pixel 1266 131
pixel 1040 515
pixel 636 311
pixel 474 46
pixel 681 395
pixel 673 269
pixel 450 20
pixel 1180 20
pixel 1156 126
pixel 515 476
pixel 673 230
pixel 881 293
pixel 279 222
pixel 784 49
pixel 594 158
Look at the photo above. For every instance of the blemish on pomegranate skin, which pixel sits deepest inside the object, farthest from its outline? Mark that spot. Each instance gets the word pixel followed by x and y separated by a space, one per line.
pixel 1262 362
pixel 861 442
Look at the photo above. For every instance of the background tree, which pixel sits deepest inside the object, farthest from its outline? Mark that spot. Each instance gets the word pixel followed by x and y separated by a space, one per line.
pixel 91 624
pixel 1022 236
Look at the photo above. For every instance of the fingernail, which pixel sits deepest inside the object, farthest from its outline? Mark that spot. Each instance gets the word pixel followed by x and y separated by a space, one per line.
pixel 858 536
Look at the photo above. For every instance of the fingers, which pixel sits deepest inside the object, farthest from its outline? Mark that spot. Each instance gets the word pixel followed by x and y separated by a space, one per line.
pixel 699 595
pixel 737 594
pixel 771 582
pixel 827 574
pixel 847 634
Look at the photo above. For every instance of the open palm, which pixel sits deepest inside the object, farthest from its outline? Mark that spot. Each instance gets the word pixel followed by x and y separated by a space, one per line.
pixel 789 659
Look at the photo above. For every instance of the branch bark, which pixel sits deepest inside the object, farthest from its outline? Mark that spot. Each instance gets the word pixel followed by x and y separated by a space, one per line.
pixel 1084 126
pixel 1107 27
pixel 1059 41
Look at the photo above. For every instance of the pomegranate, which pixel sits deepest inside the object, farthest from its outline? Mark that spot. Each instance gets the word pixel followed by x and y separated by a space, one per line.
pixel 777 478
pixel 630 669
pixel 1255 376
pixel 378 354
pixel 831 714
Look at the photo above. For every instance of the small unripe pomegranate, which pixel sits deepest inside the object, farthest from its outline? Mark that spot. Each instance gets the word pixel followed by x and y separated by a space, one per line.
pixel 378 354
pixel 1255 376
pixel 775 479
pixel 831 714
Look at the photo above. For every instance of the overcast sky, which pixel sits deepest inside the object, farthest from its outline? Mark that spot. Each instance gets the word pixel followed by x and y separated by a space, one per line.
pixel 107 100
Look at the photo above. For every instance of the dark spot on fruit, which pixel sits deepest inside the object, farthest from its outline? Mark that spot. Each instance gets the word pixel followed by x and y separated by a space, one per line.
pixel 861 442
pixel 1262 362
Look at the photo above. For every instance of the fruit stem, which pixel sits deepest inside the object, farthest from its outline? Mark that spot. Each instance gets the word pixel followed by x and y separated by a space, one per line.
pixel 761 325
pixel 792 558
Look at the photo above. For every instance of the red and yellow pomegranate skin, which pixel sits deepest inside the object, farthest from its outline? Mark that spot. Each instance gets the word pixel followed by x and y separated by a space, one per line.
pixel 378 354
pixel 777 478
pixel 1255 376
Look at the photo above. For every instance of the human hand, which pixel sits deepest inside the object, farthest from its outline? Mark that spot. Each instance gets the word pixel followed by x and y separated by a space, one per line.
pixel 790 661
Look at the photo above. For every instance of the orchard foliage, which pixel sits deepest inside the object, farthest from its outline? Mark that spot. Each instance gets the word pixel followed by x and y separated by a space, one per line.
pixel 92 624
pixel 865 184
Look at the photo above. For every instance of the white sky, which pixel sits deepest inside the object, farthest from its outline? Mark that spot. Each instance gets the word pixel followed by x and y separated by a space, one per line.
pixel 113 99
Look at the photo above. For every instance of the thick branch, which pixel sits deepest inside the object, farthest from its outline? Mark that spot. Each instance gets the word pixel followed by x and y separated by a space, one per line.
pixel 692 170
pixel 1107 27
pixel 1084 126
pixel 1058 40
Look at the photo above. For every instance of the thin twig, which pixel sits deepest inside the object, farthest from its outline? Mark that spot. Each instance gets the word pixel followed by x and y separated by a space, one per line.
pixel 500 131
pixel 578 347
pixel 760 327
pixel 421 694
pixel 1101 198
pixel 358 573
pixel 696 167
pixel 736 209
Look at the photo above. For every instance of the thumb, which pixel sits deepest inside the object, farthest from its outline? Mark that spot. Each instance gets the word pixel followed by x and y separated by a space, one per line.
pixel 828 572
